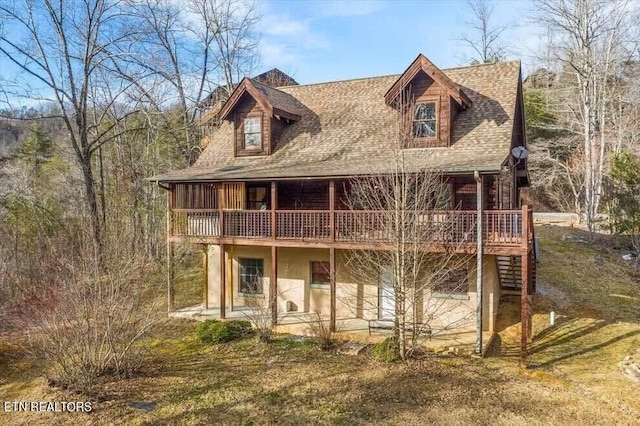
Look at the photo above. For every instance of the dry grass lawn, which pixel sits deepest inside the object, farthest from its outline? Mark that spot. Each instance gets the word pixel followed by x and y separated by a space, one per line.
pixel 573 379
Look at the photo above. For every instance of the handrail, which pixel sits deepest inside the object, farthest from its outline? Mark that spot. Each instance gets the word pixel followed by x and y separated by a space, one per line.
pixel 195 210
pixel 500 227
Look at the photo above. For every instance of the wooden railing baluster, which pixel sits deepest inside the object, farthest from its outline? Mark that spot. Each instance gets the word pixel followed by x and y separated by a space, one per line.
pixel 502 227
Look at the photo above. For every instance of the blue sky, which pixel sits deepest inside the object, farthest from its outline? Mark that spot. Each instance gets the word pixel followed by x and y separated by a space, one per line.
pixel 327 40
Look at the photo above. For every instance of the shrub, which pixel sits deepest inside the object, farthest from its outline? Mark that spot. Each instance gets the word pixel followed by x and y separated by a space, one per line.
pixel 321 331
pixel 387 350
pixel 260 316
pixel 213 331
pixel 91 318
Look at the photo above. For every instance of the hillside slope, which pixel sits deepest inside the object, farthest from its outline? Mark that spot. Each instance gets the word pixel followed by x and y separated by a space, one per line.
pixel 595 295
pixel 573 377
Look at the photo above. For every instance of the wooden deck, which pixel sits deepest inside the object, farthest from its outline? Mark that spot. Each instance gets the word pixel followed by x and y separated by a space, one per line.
pixel 502 229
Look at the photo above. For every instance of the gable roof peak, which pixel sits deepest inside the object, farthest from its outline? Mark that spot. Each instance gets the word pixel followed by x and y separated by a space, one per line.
pixel 275 78
pixel 422 63
pixel 272 101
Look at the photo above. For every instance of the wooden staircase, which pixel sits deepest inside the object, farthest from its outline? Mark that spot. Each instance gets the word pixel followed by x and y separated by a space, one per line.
pixel 510 271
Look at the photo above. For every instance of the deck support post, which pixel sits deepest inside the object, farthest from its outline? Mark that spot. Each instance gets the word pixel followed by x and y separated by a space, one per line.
pixel 479 260
pixel 274 206
pixel 205 276
pixel 332 208
pixel 332 256
pixel 524 291
pixel 223 282
pixel 170 276
pixel 332 289
pixel 273 286
pixel 221 212
pixel 170 270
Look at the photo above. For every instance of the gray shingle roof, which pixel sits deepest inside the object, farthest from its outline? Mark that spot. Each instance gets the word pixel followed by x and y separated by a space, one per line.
pixel 347 129
pixel 278 98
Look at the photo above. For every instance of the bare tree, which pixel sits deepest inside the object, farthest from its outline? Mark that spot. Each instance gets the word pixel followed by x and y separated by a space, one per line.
pixel 589 40
pixel 236 41
pixel 415 259
pixel 90 317
pixel 557 170
pixel 189 51
pixel 259 312
pixel 62 49
pixel 485 39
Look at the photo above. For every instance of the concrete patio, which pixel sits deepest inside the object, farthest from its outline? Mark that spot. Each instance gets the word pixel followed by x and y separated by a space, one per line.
pixel 352 329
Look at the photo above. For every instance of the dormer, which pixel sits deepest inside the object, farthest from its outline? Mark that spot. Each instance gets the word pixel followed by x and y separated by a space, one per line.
pixel 259 113
pixel 431 101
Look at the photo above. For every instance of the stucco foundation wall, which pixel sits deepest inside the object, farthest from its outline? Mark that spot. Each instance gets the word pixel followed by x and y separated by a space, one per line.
pixel 356 297
pixel 235 299
pixel 490 295
pixel 492 299
pixel 294 278
pixel 213 276
pixel 450 311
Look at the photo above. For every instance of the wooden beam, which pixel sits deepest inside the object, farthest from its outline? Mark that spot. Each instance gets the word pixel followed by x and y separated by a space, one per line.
pixel 170 274
pixel 524 314
pixel 286 114
pixel 332 284
pixel 205 277
pixel 332 207
pixel 274 206
pixel 170 277
pixel 513 250
pixel 221 207
pixel 223 282
pixel 524 293
pixel 273 286
pixel 479 261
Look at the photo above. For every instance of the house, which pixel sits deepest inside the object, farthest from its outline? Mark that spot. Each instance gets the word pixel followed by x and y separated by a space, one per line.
pixel 212 104
pixel 265 199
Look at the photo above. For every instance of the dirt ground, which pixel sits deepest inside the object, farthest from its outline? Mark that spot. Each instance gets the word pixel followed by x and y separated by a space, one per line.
pixel 573 376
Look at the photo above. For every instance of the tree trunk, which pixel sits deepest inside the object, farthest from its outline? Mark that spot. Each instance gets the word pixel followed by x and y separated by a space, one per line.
pixel 92 202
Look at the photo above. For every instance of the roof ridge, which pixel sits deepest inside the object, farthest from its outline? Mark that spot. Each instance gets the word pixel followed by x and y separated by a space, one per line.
pixel 398 74
pixel 482 65
pixel 254 81
pixel 341 81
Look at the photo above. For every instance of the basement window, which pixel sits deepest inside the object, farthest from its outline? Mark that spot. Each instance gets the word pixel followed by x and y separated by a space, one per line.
pixel 320 275
pixel 251 272
pixel 424 120
pixel 451 283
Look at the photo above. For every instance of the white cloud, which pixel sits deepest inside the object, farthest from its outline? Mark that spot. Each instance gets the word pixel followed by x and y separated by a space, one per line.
pixel 285 29
pixel 348 7
pixel 282 25
pixel 286 41
pixel 277 54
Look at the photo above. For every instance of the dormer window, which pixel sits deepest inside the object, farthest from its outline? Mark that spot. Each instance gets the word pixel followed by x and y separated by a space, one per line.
pixel 435 102
pixel 258 113
pixel 252 133
pixel 425 120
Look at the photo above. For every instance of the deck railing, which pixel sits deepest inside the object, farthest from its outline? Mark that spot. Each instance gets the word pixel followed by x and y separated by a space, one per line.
pixel 303 224
pixel 500 227
pixel 247 223
pixel 195 222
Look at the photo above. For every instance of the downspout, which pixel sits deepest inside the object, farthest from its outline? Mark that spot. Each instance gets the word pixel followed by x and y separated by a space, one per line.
pixel 479 253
